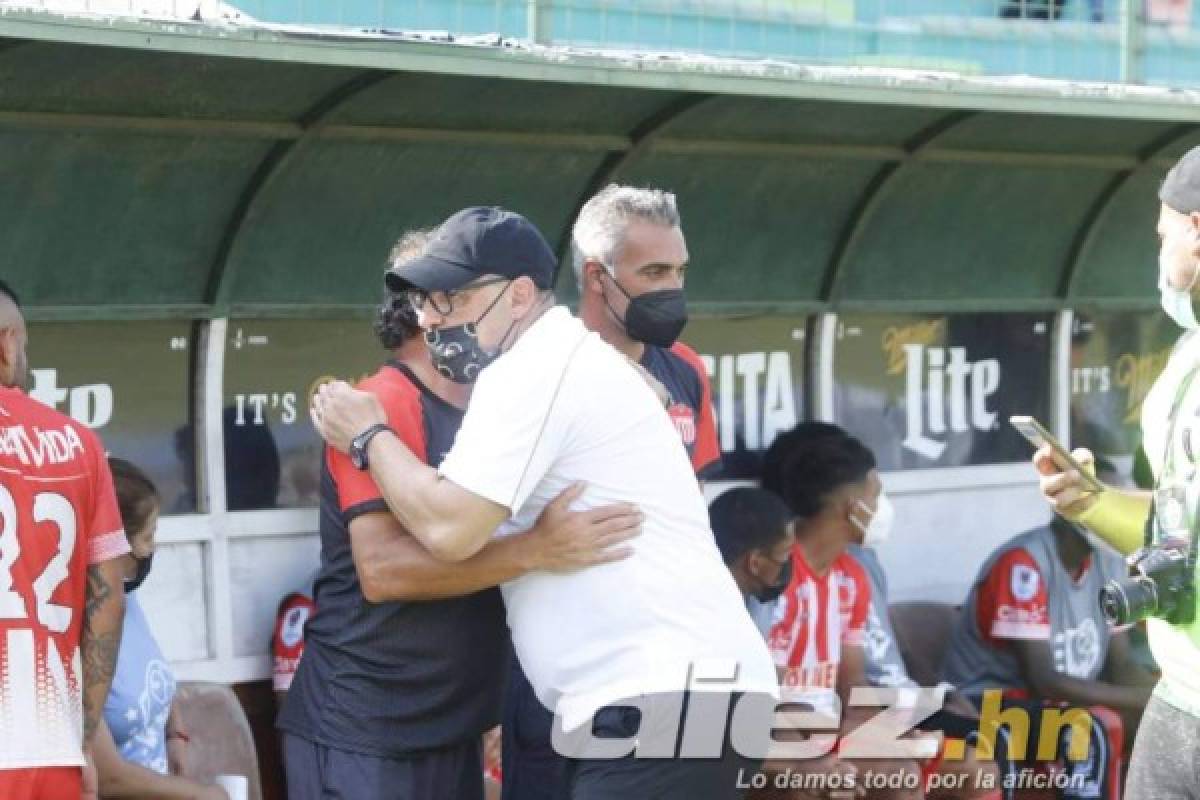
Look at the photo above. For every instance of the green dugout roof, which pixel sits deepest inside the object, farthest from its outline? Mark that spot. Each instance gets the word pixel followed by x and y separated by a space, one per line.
pixel 161 169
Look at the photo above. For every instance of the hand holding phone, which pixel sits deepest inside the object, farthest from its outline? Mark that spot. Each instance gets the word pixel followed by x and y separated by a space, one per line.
pixel 1039 437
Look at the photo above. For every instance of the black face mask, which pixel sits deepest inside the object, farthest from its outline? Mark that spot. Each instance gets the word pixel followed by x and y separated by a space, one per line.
pixel 769 594
pixel 143 569
pixel 456 352
pixel 656 317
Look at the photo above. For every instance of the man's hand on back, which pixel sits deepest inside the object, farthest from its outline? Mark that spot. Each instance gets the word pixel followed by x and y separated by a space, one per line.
pixel 563 540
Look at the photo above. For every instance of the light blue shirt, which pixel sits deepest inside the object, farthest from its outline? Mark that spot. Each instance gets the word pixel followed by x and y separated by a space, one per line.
pixel 762 613
pixel 142 690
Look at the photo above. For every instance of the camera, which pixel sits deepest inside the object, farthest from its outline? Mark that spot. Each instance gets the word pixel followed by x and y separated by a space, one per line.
pixel 1159 585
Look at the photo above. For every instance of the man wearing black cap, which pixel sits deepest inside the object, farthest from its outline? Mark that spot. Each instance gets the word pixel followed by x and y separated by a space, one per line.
pixel 1166 756
pixel 405 655
pixel 554 405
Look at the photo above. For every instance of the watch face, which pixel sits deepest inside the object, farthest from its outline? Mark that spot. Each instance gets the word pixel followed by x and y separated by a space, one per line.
pixel 358 456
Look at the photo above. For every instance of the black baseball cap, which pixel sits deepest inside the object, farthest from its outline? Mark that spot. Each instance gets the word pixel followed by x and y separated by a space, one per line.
pixel 481 240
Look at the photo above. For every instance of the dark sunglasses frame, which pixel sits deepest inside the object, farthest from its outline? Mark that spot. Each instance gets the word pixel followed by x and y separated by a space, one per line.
pixel 419 297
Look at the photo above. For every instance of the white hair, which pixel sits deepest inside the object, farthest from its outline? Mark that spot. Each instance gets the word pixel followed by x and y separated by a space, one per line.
pixel 599 231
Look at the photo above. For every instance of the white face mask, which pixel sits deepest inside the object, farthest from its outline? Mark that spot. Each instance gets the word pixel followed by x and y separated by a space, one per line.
pixel 1182 241
pixel 879 529
pixel 1176 302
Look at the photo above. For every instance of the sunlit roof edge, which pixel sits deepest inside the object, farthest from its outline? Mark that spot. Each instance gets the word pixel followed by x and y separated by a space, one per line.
pixel 494 56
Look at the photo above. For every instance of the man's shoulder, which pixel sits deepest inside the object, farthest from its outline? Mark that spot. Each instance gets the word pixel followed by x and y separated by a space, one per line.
pixel 690 357
pixel 391 376
pixel 391 384
pixel 1014 576
pixel 400 397
pixel 1019 549
pixel 677 362
pixel 850 566
pixel 867 559
pixel 555 334
pixel 558 330
pixel 542 355
pixel 1013 554
pixel 294 610
pixel 296 599
pixel 853 575
pixel 1111 563
pixel 18 408
pixel 680 370
pixel 20 411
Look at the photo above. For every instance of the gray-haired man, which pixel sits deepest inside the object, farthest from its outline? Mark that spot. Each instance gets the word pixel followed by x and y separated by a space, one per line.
pixel 630 260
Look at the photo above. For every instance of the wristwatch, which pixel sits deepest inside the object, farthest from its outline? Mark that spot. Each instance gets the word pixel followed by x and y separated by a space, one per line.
pixel 358 445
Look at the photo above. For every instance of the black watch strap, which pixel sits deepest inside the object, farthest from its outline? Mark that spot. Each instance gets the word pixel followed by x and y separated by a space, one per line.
pixel 358 446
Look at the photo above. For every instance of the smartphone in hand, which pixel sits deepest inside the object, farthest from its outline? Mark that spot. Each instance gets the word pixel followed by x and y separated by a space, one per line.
pixel 1038 436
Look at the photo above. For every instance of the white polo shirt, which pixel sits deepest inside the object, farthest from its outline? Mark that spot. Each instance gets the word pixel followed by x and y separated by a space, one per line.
pixel 563 406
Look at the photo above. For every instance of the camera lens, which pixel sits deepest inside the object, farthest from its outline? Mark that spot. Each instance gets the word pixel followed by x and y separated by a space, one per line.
pixel 1127 601
pixel 1113 606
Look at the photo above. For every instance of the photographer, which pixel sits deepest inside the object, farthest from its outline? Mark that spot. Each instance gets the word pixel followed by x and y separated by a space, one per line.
pixel 1165 756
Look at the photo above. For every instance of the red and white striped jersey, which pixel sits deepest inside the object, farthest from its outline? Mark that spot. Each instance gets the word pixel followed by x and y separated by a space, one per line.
pixel 58 515
pixel 816 617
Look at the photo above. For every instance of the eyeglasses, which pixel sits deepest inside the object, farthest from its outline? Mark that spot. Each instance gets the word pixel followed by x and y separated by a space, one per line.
pixel 443 302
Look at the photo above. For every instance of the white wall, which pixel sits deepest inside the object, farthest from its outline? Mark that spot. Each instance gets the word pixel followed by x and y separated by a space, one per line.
pixel 174 600
pixel 942 535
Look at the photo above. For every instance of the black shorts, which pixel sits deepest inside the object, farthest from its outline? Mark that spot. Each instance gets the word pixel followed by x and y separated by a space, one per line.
pixel 532 770
pixel 316 772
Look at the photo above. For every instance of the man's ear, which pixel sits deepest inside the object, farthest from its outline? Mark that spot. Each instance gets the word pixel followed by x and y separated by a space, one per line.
pixel 751 562
pixel 525 295
pixel 1193 243
pixel 847 504
pixel 593 277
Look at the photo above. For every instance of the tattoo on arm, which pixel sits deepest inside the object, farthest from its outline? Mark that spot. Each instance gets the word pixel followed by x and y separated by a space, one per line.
pixel 98 590
pixel 101 640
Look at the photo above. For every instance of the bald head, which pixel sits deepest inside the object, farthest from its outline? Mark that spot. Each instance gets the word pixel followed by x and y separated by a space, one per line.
pixel 14 369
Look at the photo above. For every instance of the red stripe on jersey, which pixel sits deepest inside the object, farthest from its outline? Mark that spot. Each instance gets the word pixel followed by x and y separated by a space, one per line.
pixel 401 400
pixel 706 450
pixel 818 616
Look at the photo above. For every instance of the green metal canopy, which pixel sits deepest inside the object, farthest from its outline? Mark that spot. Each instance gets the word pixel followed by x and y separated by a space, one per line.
pixel 161 170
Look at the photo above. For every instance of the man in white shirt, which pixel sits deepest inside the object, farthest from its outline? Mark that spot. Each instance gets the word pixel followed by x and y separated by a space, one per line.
pixel 662 632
